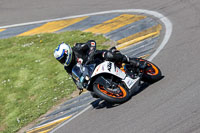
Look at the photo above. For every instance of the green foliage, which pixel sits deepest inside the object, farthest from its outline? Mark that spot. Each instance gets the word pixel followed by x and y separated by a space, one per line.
pixel 31 80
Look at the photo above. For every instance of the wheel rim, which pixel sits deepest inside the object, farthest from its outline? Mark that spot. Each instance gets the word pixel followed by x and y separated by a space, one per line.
pixel 153 70
pixel 122 93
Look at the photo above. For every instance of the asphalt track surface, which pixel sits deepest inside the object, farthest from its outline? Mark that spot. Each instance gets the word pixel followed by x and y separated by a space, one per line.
pixel 168 106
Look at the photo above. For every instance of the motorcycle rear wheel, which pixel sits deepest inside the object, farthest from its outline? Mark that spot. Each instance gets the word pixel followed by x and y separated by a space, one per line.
pixel 152 72
pixel 120 97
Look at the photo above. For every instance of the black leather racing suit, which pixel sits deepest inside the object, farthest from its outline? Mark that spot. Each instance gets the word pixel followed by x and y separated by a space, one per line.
pixel 81 52
pixel 85 51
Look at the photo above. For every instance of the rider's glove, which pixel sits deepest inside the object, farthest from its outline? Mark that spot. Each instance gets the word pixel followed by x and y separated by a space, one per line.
pixel 79 60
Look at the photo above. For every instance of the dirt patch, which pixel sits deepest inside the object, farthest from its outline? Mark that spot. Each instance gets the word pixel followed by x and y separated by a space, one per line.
pixel 2 127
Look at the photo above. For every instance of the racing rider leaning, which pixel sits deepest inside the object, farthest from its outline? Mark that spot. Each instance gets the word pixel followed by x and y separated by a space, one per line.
pixel 86 52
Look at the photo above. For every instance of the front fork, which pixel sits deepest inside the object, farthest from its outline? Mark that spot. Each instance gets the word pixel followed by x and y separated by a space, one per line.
pixel 109 86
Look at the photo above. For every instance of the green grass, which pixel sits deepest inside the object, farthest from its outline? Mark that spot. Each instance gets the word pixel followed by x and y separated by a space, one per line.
pixel 31 80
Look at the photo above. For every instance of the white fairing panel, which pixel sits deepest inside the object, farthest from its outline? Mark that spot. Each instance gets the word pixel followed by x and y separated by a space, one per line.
pixel 109 67
pixel 130 82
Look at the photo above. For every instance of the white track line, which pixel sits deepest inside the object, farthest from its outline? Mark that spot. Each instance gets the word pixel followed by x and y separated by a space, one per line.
pixel 163 19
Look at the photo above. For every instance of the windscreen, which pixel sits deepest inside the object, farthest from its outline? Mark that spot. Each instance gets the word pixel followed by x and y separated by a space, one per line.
pixel 76 72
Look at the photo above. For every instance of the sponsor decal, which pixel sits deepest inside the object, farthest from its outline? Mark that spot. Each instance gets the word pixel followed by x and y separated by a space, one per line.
pixel 93 44
pixel 102 68
pixel 97 70
pixel 109 66
pixel 80 60
pixel 130 83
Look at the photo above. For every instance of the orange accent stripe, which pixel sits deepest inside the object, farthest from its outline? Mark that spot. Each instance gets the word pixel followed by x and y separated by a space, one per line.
pixel 155 69
pixel 122 69
pixel 123 90
pixel 110 94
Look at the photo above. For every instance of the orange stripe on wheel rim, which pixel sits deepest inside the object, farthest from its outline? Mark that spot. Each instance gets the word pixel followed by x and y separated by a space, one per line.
pixel 101 88
pixel 155 70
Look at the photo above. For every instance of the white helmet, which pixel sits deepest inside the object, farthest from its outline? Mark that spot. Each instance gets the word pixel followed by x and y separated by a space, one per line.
pixel 63 54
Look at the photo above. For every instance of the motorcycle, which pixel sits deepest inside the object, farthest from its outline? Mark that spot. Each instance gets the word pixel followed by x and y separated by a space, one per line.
pixel 112 82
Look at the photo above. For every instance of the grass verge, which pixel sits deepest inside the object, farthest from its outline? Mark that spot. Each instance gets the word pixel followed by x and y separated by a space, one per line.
pixel 31 80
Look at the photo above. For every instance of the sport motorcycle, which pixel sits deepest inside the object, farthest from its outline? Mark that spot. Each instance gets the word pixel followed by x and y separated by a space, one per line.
pixel 114 82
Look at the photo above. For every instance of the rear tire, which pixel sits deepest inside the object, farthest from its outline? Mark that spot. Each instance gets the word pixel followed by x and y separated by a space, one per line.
pixel 99 90
pixel 151 73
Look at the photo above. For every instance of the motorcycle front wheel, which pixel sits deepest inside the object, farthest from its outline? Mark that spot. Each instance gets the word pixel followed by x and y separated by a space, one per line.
pixel 121 96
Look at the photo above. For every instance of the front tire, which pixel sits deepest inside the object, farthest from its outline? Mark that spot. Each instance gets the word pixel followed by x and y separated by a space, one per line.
pixel 101 92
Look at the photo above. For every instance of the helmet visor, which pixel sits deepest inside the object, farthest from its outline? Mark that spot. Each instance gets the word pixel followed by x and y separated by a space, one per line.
pixel 62 60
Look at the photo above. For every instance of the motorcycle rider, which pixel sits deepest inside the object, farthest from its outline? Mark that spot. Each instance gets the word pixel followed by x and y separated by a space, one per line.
pixel 84 53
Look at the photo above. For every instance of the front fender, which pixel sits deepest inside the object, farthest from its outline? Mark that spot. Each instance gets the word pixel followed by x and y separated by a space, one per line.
pixel 101 80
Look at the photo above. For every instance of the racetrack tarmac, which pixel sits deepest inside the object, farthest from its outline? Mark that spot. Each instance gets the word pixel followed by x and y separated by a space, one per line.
pixel 168 106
